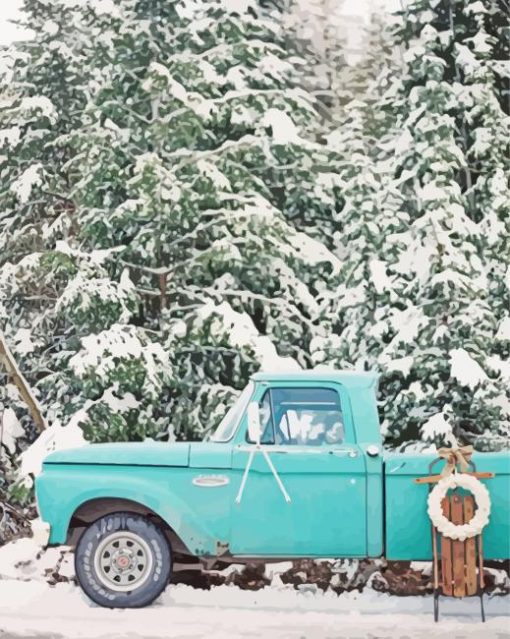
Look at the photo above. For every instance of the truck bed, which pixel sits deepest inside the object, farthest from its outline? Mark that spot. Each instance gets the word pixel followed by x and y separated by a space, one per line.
pixel 407 526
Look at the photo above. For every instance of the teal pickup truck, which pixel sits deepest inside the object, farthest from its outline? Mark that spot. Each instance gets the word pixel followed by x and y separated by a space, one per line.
pixel 295 469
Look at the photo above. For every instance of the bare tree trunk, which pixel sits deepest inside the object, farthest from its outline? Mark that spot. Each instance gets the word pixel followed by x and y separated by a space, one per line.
pixel 14 373
pixel 162 289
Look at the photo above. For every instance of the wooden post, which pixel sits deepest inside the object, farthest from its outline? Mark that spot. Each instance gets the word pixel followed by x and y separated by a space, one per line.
pixel 14 373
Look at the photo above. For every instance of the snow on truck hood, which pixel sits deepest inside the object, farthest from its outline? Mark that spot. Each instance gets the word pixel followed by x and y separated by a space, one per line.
pixel 125 454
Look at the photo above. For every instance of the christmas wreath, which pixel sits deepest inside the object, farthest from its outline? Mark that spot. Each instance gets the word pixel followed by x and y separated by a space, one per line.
pixel 483 506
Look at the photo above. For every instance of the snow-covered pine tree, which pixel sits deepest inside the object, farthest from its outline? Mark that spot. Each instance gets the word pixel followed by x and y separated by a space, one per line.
pixel 439 325
pixel 457 222
pixel 193 178
pixel 40 95
pixel 481 49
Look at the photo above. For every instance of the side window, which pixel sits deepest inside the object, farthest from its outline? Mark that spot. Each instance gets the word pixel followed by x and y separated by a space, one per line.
pixel 301 416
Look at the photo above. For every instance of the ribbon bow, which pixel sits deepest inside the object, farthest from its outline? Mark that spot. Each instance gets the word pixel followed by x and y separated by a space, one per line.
pixel 454 456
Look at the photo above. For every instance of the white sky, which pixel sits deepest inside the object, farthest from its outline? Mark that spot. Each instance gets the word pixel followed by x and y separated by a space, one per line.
pixel 8 11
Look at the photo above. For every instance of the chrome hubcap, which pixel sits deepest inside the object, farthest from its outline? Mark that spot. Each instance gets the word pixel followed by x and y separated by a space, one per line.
pixel 123 561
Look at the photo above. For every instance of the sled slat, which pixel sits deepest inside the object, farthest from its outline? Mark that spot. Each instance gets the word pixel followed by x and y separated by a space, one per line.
pixel 457 517
pixel 433 479
pixel 446 554
pixel 469 511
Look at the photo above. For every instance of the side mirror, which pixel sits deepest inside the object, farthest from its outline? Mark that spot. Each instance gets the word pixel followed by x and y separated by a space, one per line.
pixel 254 427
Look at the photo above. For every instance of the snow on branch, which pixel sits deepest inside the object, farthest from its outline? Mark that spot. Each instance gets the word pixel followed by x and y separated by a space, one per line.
pixel 242 333
pixel 191 155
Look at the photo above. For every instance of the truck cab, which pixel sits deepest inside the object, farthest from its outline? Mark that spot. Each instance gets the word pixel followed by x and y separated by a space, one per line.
pixel 295 469
pixel 330 470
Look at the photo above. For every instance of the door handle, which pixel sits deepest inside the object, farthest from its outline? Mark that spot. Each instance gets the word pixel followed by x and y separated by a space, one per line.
pixel 344 452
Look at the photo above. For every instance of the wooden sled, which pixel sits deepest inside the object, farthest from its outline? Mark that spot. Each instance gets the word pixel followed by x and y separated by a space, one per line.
pixel 457 565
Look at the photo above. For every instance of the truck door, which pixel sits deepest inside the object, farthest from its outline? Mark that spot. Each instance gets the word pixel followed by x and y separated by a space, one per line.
pixel 309 435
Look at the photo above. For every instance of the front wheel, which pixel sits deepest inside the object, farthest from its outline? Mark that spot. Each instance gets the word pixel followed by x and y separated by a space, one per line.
pixel 123 560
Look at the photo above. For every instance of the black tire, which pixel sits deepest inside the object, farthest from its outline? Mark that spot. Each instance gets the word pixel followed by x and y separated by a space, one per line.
pixel 98 564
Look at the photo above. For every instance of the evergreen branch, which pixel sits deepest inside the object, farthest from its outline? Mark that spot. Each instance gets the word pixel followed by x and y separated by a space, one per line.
pixel 60 197
pixel 285 305
pixel 124 107
pixel 201 226
pixel 165 119
pixel 39 298
pixel 212 349
pixel 243 93
pixel 243 295
pixel 148 291
pixel 229 46
pixel 195 156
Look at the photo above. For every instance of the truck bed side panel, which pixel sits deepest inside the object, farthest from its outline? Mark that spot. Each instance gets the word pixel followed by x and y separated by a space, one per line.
pixel 408 532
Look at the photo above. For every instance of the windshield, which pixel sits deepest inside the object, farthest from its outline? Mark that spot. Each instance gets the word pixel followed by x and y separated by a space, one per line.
pixel 228 425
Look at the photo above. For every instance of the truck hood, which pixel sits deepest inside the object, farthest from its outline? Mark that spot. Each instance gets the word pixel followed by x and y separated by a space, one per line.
pixel 125 454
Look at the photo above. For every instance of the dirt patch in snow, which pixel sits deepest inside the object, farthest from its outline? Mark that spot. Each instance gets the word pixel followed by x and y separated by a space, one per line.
pixel 14 521
pixel 395 578
pixel 22 559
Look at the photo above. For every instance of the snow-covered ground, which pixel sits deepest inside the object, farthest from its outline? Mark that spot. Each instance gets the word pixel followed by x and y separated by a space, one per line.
pixel 34 609
pixel 31 608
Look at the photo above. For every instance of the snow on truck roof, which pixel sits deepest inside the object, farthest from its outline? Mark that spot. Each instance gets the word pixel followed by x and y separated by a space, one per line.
pixel 347 378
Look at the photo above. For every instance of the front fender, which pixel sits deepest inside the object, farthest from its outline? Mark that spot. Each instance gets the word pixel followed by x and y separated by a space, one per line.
pixel 61 490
